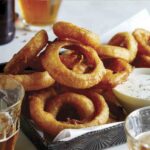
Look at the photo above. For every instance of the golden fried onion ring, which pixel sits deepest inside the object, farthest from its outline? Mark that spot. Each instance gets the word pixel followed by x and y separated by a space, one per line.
pixel 80 67
pixel 142 61
pixel 70 31
pixel 74 61
pixel 68 77
pixel 126 40
pixel 117 72
pixel 22 59
pixel 69 58
pixel 142 37
pixel 34 81
pixel 50 125
pixel 83 105
pixel 36 64
pixel 113 52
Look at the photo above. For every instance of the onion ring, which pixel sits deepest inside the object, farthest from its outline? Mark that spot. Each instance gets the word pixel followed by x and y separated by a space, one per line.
pixel 117 72
pixel 74 61
pixel 117 65
pixel 57 69
pixel 142 61
pixel 70 31
pixel 84 105
pixel 36 64
pixel 80 67
pixel 34 81
pixel 50 125
pixel 142 37
pixel 22 59
pixel 113 52
pixel 69 58
pixel 126 40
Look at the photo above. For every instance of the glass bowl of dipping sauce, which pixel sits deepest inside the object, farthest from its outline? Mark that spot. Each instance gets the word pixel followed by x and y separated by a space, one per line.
pixel 137 129
pixel 135 92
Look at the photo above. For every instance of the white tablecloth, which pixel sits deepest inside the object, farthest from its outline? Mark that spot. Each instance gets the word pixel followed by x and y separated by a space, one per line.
pixel 96 15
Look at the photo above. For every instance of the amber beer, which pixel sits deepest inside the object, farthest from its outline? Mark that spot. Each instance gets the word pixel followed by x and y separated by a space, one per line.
pixel 9 144
pixel 11 96
pixel 39 12
pixel 8 130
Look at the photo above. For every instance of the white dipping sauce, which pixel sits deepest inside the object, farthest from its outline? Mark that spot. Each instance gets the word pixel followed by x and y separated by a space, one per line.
pixel 137 85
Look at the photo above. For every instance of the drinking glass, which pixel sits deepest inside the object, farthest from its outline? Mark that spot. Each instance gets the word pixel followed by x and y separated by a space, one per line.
pixel 11 96
pixel 38 14
pixel 137 127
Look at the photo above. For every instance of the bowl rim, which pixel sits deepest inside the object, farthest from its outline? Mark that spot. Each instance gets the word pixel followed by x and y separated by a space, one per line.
pixel 125 123
pixel 128 96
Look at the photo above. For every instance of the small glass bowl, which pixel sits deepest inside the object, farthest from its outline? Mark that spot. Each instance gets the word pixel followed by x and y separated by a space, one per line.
pixel 137 124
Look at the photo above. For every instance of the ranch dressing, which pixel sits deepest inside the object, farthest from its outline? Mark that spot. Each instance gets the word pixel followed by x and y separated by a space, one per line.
pixel 136 86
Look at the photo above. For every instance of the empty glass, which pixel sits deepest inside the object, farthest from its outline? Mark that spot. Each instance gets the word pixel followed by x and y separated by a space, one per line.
pixel 137 127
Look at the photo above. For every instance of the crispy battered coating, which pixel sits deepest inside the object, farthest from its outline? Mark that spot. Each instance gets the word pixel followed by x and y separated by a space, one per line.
pixel 142 61
pixel 126 40
pixel 22 59
pixel 51 125
pixel 68 77
pixel 117 72
pixel 34 81
pixel 70 31
pixel 83 105
pixel 142 37
pixel 15 67
pixel 113 52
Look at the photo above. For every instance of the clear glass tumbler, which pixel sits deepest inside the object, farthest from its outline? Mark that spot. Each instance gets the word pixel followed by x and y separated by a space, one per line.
pixel 11 96
pixel 38 14
pixel 137 127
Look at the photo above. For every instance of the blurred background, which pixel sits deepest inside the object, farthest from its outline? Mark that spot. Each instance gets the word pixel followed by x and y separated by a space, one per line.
pixel 99 15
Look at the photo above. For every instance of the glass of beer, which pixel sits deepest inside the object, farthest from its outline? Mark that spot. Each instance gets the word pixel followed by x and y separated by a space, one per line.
pixel 137 127
pixel 11 96
pixel 39 13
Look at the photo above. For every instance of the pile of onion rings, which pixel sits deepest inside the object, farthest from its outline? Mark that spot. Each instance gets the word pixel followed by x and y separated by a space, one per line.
pixel 69 80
